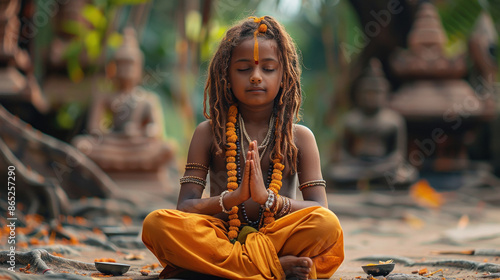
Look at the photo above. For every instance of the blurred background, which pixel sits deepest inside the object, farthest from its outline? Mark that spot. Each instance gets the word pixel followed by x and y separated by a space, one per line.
pixel 100 98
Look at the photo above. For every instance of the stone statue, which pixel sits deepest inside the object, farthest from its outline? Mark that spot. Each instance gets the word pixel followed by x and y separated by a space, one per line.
pixel 17 79
pixel 126 127
pixel 374 139
pixel 134 111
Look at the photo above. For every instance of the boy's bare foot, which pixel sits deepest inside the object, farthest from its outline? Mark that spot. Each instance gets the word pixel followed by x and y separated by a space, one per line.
pixel 299 267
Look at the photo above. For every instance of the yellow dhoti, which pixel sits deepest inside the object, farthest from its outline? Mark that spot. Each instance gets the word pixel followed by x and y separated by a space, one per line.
pixel 199 243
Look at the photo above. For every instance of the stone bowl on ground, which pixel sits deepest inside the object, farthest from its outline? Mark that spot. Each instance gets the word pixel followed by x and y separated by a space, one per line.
pixel 378 269
pixel 112 268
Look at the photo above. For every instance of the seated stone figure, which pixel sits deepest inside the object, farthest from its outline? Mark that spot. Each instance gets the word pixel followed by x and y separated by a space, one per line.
pixel 125 128
pixel 374 139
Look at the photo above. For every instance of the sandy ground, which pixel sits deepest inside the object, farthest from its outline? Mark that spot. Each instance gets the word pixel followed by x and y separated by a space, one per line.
pixel 388 225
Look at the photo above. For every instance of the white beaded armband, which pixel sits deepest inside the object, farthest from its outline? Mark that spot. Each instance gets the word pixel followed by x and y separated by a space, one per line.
pixel 221 202
pixel 271 199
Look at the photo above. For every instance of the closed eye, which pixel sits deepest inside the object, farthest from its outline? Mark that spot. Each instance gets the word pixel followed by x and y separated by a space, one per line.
pixel 242 70
pixel 269 70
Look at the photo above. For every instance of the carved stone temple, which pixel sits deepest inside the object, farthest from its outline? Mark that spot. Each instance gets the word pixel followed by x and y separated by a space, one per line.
pixel 436 97
pixel 438 122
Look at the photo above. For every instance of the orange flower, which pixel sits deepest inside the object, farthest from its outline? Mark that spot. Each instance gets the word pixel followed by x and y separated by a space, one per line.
pixel 232 234
pixel 231 153
pixel 277 182
pixel 278 166
pixel 105 260
pixel 233 216
pixel 234 211
pixel 235 223
pixel 232 185
pixel 232 138
pixel 274 186
pixel 268 220
pixel 268 214
pixel 262 28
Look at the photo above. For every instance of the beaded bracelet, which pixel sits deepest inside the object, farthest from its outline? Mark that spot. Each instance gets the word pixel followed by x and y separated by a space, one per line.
pixel 195 165
pixel 312 184
pixel 221 202
pixel 271 200
pixel 193 179
pixel 287 207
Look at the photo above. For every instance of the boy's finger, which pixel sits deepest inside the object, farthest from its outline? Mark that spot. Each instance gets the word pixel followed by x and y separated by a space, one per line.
pixel 247 170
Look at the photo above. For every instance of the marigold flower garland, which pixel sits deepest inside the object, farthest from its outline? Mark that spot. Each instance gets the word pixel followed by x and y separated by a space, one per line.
pixel 232 173
pixel 274 186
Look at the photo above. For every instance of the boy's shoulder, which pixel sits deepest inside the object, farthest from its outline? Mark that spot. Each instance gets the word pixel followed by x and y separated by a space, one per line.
pixel 204 126
pixel 203 131
pixel 302 129
pixel 303 134
pixel 202 138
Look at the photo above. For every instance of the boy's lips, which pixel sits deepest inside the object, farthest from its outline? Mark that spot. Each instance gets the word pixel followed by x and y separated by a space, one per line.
pixel 256 89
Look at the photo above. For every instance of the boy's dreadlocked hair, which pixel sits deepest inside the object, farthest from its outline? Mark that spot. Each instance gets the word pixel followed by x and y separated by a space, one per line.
pixel 287 102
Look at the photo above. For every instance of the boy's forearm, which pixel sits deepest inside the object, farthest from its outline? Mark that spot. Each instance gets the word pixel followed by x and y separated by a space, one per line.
pixel 301 204
pixel 209 206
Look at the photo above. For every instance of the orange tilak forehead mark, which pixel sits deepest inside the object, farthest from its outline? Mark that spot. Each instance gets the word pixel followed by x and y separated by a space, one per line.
pixel 261 29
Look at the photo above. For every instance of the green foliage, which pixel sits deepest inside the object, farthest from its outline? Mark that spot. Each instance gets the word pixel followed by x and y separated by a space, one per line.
pixel 93 37
pixel 67 115
pixel 459 18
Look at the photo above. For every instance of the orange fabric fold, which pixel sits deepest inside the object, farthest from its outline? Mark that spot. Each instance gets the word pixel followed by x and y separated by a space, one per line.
pixel 199 243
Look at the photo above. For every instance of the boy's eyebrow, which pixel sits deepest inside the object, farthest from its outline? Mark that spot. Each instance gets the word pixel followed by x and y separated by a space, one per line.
pixel 251 60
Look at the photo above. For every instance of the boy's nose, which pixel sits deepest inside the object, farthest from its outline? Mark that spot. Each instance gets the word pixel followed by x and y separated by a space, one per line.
pixel 255 80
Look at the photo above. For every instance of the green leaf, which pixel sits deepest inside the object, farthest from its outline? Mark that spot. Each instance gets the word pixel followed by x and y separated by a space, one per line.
pixel 193 25
pixel 92 44
pixel 115 40
pixel 94 16
pixel 64 120
pixel 73 49
pixel 75 70
pixel 73 27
